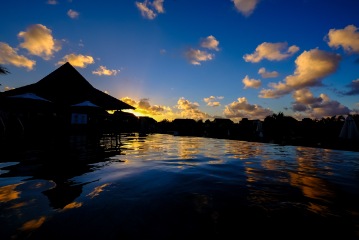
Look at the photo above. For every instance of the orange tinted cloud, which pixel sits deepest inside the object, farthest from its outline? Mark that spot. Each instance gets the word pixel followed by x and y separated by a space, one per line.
pixel 311 68
pixel 38 40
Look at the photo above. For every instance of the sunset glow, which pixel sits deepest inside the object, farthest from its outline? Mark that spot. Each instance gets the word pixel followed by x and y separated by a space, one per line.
pixel 194 59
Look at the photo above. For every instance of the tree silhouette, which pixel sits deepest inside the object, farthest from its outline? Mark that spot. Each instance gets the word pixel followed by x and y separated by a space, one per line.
pixel 3 70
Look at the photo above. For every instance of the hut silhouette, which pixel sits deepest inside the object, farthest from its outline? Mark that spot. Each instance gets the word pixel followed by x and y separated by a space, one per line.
pixel 66 86
pixel 349 130
pixel 63 88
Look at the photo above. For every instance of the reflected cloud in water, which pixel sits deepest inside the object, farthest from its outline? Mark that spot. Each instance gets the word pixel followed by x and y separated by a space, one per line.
pixel 33 224
pixel 8 193
pixel 97 190
pixel 133 186
pixel 72 205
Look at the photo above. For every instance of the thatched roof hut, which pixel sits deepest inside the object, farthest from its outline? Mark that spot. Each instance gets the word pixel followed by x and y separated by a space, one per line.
pixel 65 87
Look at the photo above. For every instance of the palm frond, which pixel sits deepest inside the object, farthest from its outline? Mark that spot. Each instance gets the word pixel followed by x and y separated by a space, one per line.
pixel 3 70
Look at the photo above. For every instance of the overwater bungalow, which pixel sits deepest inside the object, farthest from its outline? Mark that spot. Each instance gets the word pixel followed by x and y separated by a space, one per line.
pixel 60 102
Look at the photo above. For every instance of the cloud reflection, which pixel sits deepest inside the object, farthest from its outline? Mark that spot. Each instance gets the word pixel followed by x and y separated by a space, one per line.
pixel 97 190
pixel 8 193
pixel 33 224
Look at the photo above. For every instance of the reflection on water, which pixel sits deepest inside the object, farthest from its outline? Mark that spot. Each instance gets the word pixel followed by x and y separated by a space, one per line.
pixel 8 193
pixel 172 187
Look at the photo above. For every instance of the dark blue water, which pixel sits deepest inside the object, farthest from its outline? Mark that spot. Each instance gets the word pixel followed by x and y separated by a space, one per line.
pixel 171 187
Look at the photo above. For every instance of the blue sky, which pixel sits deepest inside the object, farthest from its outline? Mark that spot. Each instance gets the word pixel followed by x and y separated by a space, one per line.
pixel 195 59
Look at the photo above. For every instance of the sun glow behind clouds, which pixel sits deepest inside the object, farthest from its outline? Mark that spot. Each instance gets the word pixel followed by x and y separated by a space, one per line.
pixel 166 73
pixel 136 113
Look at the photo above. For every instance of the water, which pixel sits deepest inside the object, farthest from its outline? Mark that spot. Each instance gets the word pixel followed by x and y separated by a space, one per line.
pixel 170 187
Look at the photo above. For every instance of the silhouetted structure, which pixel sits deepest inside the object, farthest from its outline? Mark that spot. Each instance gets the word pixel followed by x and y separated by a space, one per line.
pixel 184 127
pixel 276 128
pixel 60 102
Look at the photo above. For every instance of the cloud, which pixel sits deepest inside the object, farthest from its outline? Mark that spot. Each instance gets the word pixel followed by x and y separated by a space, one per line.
pixel 317 107
pixel 263 72
pixel 77 60
pixel 158 6
pixel 246 7
pixel 196 56
pixel 8 55
pixel 304 98
pixel 251 83
pixel 190 110
pixel 144 107
pixel 242 109
pixel 347 38
pixel 212 101
pixel 102 70
pixel 150 9
pixel 271 51
pixel 39 41
pixel 7 88
pixel 311 67
pixel 129 101
pixel 73 14
pixel 52 2
pixel 210 42
pixel 354 88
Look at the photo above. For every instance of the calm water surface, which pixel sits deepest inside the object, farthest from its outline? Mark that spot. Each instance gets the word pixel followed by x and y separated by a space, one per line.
pixel 169 187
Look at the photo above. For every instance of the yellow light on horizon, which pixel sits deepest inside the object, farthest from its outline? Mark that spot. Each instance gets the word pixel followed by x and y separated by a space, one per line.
pixel 138 113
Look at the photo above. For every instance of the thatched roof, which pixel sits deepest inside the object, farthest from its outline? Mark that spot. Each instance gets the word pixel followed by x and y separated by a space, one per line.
pixel 66 86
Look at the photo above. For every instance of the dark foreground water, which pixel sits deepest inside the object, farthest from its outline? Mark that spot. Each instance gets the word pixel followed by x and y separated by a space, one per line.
pixel 170 187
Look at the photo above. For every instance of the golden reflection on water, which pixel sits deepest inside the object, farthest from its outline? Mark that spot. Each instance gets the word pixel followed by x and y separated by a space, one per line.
pixel 268 177
pixel 315 189
pixel 242 150
pixel 18 205
pixel 97 190
pixel 73 205
pixel 188 147
pixel 8 193
pixel 251 175
pixel 33 224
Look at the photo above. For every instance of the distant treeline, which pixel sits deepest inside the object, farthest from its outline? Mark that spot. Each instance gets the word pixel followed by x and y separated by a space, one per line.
pixel 276 128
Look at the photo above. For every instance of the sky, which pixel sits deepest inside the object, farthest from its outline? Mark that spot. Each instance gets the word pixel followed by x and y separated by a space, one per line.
pixel 196 59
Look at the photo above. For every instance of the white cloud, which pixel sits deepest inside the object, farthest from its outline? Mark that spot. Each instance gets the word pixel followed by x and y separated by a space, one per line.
pixel 311 67
pixel 264 74
pixel 102 70
pixel 212 101
pixel 271 51
pixel 251 83
pixel 150 9
pixel 190 110
pixel 210 42
pixel 38 40
pixel 77 60
pixel 347 38
pixel 73 14
pixel 246 7
pixel 196 56
pixel 8 55
pixel 242 109
pixel 158 6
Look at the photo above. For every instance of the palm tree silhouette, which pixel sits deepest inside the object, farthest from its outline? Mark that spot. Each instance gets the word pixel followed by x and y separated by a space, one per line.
pixel 3 70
